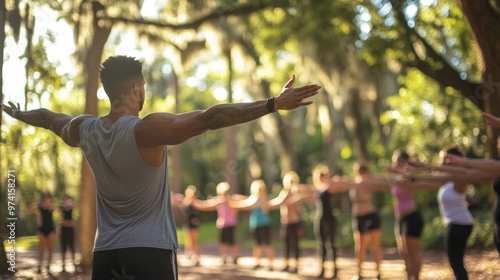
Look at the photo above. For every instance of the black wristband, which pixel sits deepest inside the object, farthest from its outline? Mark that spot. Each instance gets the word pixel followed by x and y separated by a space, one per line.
pixel 15 111
pixel 270 105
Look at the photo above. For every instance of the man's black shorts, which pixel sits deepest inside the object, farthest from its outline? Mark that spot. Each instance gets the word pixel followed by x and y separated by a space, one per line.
pixel 135 263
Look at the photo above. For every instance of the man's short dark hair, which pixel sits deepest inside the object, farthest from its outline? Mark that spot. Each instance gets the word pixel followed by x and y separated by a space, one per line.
pixel 117 72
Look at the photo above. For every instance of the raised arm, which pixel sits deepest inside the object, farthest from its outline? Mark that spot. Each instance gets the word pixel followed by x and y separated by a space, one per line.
pixel 170 129
pixel 62 125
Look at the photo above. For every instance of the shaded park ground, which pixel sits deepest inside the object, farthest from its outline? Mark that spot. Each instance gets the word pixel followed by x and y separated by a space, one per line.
pixel 481 264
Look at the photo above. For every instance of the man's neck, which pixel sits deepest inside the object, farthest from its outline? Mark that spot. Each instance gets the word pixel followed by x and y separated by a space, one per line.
pixel 117 112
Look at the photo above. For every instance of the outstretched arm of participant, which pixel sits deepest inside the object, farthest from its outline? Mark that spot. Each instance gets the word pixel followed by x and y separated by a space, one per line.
pixel 338 184
pixel 169 129
pixel 237 197
pixel 460 174
pixel 62 125
pixel 278 200
pixel 206 205
pixel 245 204
pixel 491 120
pixel 487 165
pixel 376 183
pixel 300 198
pixel 177 200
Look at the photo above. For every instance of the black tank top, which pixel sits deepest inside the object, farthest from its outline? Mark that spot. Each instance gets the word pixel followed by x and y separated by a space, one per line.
pixel 67 213
pixel 324 207
pixel 47 221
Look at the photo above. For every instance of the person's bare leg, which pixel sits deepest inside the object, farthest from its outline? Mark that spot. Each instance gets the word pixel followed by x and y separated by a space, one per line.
pixel 403 252
pixel 51 240
pixel 413 245
pixel 360 244
pixel 257 253
pixel 376 237
pixel 194 244
pixel 236 253
pixel 270 255
pixel 223 251
pixel 41 249
pixel 188 249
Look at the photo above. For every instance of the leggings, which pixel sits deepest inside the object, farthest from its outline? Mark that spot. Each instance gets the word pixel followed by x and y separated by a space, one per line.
pixel 292 233
pixel 455 243
pixel 325 230
pixel 67 239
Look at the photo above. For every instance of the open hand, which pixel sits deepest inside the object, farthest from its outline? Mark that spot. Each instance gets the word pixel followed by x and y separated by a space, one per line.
pixel 11 109
pixel 291 98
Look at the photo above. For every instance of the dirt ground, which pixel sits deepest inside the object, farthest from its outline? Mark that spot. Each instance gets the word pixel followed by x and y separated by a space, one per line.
pixel 481 264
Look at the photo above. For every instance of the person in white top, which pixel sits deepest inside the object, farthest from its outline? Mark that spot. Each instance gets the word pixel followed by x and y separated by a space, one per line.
pixel 453 206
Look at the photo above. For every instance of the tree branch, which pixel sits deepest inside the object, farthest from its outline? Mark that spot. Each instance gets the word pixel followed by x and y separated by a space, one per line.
pixel 445 75
pixel 244 9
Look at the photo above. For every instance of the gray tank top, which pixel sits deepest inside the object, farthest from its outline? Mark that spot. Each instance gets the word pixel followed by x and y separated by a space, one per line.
pixel 133 198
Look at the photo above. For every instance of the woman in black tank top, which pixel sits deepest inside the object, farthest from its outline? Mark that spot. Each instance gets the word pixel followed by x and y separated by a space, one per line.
pixel 45 229
pixel 191 216
pixel 325 223
pixel 67 230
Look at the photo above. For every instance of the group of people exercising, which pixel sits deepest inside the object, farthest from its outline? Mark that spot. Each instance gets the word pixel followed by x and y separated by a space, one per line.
pixel 403 179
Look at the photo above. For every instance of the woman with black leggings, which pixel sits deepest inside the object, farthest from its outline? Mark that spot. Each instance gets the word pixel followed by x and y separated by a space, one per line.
pixel 454 211
pixel 325 223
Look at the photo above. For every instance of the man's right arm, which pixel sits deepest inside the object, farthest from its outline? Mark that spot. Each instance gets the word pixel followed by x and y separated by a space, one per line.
pixel 64 126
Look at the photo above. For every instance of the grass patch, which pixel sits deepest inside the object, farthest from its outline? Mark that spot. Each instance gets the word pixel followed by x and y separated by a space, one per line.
pixel 25 242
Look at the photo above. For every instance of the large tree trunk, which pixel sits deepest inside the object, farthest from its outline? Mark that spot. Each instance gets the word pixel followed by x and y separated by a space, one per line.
pixel 231 166
pixel 88 192
pixel 485 24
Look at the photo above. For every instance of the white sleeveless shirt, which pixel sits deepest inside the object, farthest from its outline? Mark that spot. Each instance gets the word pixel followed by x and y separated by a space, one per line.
pixel 453 206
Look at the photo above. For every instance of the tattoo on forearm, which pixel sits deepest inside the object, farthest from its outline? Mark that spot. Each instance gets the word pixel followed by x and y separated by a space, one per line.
pixel 232 114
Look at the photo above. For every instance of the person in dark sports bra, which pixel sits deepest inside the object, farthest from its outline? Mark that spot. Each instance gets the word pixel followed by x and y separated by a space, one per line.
pixel 45 229
pixel 191 215
pixel 325 223
pixel 67 229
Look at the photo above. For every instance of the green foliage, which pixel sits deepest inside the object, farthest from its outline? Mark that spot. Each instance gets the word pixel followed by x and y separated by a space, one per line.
pixel 424 118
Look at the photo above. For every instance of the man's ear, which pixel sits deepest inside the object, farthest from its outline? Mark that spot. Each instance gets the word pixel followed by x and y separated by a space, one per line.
pixel 137 89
